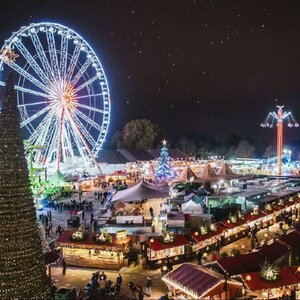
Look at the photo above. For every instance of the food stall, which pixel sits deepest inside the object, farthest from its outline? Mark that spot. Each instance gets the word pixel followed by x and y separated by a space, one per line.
pixel 104 251
pixel 207 240
pixel 160 248
pixel 237 228
pixel 190 281
pixel 287 282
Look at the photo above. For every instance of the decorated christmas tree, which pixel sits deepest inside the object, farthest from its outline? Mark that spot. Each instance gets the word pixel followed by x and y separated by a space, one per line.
pixel 22 268
pixel 164 170
pixel 269 271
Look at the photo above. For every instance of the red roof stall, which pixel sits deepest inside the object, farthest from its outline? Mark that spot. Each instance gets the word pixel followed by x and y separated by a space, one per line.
pixel 240 228
pixel 198 282
pixel 208 240
pixel 89 253
pixel 241 263
pixel 158 250
pixel 276 252
pixel 289 276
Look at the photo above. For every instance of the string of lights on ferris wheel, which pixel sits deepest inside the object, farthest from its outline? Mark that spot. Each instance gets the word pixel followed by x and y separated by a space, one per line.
pixel 62 91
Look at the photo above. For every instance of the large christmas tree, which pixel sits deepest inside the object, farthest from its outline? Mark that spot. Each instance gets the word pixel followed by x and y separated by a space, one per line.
pixel 164 170
pixel 22 269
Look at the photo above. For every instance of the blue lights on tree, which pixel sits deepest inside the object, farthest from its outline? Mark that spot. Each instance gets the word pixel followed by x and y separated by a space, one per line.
pixel 164 170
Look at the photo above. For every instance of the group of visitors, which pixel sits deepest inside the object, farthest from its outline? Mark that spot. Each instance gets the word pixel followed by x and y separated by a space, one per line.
pixel 73 206
pixel 101 287
pixel 137 290
pixel 46 221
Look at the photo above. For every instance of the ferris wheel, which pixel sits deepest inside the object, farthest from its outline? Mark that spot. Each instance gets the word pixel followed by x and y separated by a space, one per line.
pixel 62 92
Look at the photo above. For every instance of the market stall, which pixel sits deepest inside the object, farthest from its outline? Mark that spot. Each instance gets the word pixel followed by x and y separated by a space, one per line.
pixel 105 251
pixel 207 239
pixel 285 283
pixel 190 281
pixel 160 248
pixel 238 227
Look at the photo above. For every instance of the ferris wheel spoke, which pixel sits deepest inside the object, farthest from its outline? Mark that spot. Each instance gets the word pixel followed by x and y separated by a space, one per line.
pixel 89 96
pixel 42 137
pixel 31 61
pixel 53 55
pixel 50 142
pixel 29 91
pixel 86 134
pixel 87 119
pixel 63 56
pixel 67 141
pixel 36 115
pixel 79 144
pixel 35 134
pixel 89 108
pixel 21 89
pixel 29 77
pixel 88 82
pixel 41 54
pixel 31 104
pixel 73 62
pixel 81 71
pixel 52 145
pixel 86 146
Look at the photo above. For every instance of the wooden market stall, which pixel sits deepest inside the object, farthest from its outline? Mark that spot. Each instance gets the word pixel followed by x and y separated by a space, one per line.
pixel 288 282
pixel 158 250
pixel 90 253
pixel 209 241
pixel 190 281
pixel 239 228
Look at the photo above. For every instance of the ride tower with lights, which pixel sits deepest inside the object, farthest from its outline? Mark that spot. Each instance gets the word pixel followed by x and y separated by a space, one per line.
pixel 278 118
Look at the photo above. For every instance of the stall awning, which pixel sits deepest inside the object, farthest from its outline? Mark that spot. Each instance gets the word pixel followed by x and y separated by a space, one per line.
pixel 157 244
pixel 241 263
pixel 64 241
pixel 292 239
pixel 274 251
pixel 199 238
pixel 247 218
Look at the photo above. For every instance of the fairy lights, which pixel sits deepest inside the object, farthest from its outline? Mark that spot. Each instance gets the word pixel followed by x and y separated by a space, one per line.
pixel 21 259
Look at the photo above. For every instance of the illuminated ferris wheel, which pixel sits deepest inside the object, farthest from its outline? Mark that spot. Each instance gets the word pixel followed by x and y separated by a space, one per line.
pixel 62 91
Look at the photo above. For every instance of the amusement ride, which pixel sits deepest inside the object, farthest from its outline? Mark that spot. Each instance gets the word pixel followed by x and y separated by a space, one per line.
pixel 62 93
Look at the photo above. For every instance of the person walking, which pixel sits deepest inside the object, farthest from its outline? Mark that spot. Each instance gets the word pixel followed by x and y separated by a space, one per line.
pixel 102 286
pixel 64 266
pixel 119 283
pixel 132 289
pixel 149 286
pixel 199 257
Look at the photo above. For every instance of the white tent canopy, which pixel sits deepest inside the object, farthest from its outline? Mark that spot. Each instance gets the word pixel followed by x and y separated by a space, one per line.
pixel 191 207
pixel 140 191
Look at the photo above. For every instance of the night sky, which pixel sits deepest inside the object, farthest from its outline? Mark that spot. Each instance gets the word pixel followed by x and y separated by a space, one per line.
pixel 192 67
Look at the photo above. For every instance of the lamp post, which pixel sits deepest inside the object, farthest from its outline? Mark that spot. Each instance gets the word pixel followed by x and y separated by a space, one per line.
pixel 151 242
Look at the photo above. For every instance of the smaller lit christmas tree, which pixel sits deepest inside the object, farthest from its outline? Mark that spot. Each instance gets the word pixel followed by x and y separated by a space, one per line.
pixel 269 271
pixel 164 170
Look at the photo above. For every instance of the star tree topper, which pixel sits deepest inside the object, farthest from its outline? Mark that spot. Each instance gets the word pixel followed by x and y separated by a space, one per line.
pixel 8 55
